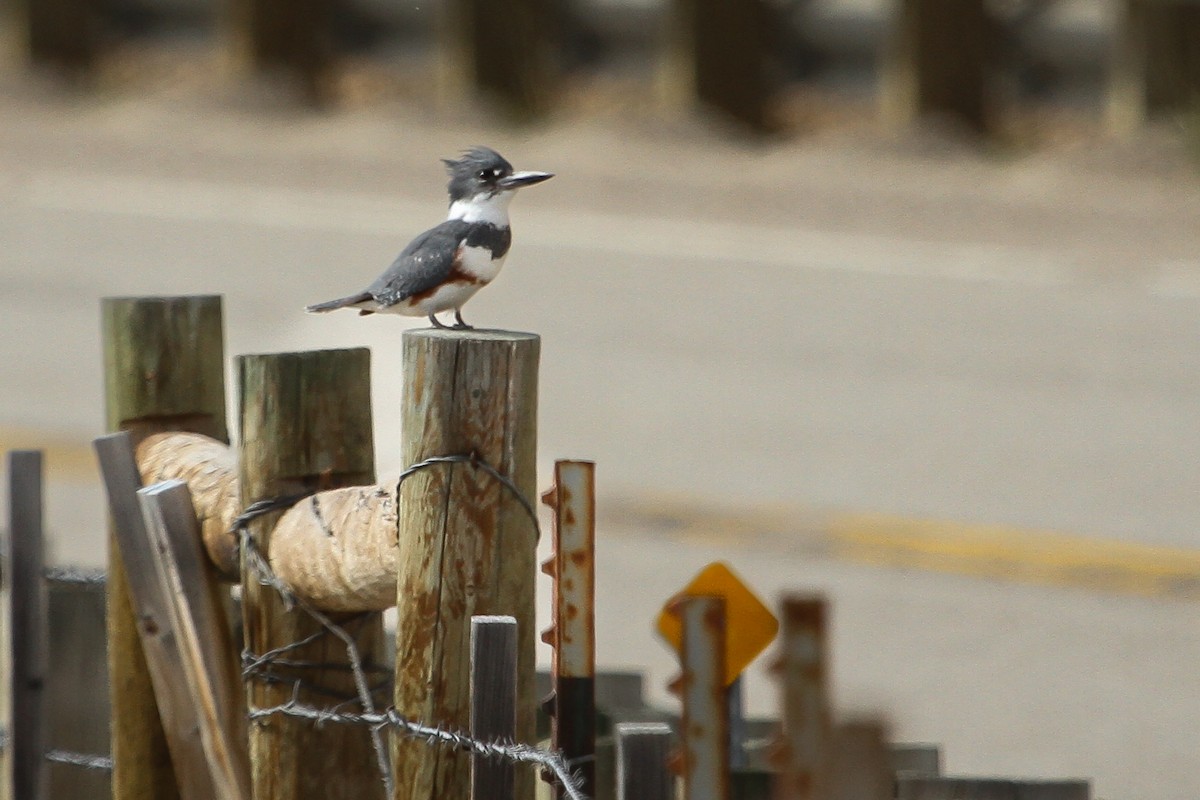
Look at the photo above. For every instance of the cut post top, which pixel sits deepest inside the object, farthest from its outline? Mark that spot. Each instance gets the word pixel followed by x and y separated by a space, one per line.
pixel 472 335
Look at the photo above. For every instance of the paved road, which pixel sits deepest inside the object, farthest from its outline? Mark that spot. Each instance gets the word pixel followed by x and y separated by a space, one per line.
pixel 823 325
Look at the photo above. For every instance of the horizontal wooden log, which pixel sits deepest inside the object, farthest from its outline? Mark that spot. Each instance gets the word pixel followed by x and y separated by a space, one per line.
pixel 337 549
pixel 209 468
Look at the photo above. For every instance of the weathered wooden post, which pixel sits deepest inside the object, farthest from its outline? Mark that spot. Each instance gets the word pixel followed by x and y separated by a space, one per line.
pixel 59 33
pixel 467 544
pixel 164 362
pixel 305 425
pixel 493 702
pixel 29 655
pixel 720 54
pixel 941 59
pixel 504 52
pixel 1156 62
pixel 289 36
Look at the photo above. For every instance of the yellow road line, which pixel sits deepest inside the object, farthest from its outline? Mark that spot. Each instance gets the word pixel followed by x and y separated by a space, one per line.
pixel 968 549
pixel 958 548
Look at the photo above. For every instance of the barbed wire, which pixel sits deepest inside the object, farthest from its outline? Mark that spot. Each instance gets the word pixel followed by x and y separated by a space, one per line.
pixel 84 760
pixel 549 760
pixel 255 665
pixel 75 575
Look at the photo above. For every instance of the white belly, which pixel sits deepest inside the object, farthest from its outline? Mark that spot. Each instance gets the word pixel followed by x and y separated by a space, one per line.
pixel 477 262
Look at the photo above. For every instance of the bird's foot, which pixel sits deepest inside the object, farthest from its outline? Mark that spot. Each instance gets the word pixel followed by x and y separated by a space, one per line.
pixel 433 320
pixel 460 324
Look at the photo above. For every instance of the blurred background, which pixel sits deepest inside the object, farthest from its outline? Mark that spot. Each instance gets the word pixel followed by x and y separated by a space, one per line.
pixel 896 300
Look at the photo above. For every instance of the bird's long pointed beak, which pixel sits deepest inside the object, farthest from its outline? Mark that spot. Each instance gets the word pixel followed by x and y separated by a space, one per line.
pixel 519 179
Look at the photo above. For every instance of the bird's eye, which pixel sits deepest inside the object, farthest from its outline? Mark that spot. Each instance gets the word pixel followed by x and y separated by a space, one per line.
pixel 488 174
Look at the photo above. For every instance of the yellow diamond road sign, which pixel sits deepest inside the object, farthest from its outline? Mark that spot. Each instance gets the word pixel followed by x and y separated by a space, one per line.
pixel 749 625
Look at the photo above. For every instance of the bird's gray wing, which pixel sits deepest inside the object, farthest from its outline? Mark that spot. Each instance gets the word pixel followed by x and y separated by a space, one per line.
pixel 427 262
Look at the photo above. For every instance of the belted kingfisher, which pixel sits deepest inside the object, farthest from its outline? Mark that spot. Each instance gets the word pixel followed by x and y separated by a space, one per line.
pixel 445 266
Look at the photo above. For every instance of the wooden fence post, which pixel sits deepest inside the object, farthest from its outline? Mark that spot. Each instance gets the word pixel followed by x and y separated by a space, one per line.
pixel 941 59
pixel 642 753
pixel 27 628
pixel 1155 62
pixel 164 371
pixel 305 425
pixel 493 702
pixel 802 667
pixel 503 52
pixel 467 544
pixel 720 55
pixel 293 36
pixel 60 33
pixel 573 630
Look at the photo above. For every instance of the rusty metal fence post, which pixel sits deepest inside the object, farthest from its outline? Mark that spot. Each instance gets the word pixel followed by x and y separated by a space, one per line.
pixel 802 668
pixel 704 726
pixel 572 705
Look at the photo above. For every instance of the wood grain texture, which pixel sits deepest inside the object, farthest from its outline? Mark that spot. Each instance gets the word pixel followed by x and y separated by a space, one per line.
pixel 306 424
pixel 201 636
pixel 27 624
pixel 466 544
pixel 164 370
pixel 151 609
pixel 493 702
pixel 77 687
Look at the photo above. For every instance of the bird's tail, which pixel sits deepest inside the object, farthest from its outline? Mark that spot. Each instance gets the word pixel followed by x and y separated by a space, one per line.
pixel 341 302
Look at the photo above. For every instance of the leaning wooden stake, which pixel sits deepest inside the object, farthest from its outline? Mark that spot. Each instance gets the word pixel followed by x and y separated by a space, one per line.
pixel 164 370
pixel 466 541
pixel 306 424
pixel 151 603
pixel 27 627
pixel 197 617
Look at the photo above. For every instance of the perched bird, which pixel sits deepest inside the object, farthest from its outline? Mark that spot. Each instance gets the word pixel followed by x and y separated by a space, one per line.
pixel 445 266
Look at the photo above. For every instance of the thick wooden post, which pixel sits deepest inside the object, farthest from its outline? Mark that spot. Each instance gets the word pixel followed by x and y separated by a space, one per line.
pixel 305 424
pixel 59 33
pixel 505 52
pixel 466 542
pixel 941 60
pixel 164 370
pixel 290 36
pixel 1156 62
pixel 720 55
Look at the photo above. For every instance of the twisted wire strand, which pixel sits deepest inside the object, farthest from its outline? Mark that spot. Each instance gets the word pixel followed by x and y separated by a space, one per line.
pixel 549 760
pixel 80 760
pixel 253 664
